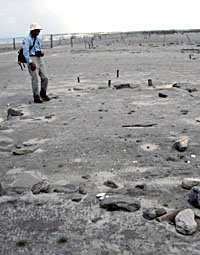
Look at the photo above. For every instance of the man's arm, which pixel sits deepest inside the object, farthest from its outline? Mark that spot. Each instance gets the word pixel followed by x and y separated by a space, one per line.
pixel 26 46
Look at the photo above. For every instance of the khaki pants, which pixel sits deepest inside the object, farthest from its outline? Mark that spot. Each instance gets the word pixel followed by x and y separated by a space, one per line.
pixel 39 73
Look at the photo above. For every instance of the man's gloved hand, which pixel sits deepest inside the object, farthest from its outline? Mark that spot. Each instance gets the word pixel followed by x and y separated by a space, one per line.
pixel 33 66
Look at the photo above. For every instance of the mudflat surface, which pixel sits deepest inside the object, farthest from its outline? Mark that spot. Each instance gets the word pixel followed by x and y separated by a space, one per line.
pixel 90 133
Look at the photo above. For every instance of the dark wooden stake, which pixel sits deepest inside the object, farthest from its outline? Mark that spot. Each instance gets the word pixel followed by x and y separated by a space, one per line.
pixel 150 82
pixel 78 79
pixel 170 216
pixel 51 38
pixel 71 41
pixel 117 73
pixel 109 83
pixel 14 46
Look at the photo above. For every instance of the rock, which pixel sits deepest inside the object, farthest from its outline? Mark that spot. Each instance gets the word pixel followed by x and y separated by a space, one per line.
pixel 18 146
pixel 185 223
pixel 49 116
pixel 153 213
pixel 122 86
pixel 162 95
pixel 68 188
pixel 140 125
pixel 100 195
pixel 196 213
pixel 181 145
pixel 189 183
pixel 141 186
pixel 42 186
pixel 194 196
pixel 76 199
pixel 87 187
pixel 191 90
pixel 111 184
pixel 1 120
pixel 95 220
pixel 12 112
pixel 25 150
pixel 86 176
pixel 120 203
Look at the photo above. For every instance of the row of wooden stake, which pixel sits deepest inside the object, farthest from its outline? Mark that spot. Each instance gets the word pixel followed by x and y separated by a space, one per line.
pixel 109 81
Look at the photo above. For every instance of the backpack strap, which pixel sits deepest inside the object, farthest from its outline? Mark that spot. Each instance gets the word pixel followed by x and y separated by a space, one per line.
pixel 31 47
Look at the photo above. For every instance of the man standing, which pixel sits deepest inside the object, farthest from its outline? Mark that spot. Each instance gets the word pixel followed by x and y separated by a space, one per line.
pixel 33 54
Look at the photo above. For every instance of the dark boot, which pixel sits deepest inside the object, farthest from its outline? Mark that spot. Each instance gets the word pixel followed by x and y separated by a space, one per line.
pixel 44 95
pixel 37 99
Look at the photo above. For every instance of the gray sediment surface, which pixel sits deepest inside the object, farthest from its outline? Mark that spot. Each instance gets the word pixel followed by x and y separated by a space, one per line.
pixel 90 134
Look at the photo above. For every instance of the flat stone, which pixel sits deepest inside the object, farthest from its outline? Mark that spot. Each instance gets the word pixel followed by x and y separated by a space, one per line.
pixel 87 177
pixel 111 184
pixel 95 220
pixel 100 195
pixel 152 213
pixel 185 222
pixel 18 146
pixel 76 199
pixel 181 145
pixel 141 186
pixel 162 95
pixel 25 150
pixel 120 203
pixel 25 180
pixel 122 86
pixel 196 213
pixel 87 187
pixel 42 186
pixel 68 188
pixel 189 183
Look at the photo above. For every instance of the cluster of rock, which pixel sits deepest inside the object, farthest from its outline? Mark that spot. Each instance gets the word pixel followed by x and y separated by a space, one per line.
pixel 183 219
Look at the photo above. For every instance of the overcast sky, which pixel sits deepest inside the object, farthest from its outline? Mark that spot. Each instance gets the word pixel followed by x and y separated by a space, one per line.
pixel 82 16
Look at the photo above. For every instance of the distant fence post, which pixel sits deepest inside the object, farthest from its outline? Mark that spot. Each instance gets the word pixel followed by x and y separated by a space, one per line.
pixel 71 41
pixel 51 39
pixel 14 46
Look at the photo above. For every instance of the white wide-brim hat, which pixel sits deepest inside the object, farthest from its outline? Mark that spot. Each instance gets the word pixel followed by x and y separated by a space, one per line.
pixel 34 26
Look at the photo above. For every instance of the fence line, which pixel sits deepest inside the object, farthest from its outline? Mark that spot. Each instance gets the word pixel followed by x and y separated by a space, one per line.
pixel 52 40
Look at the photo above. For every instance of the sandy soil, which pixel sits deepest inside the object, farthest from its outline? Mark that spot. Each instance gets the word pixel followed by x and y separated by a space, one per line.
pixel 88 128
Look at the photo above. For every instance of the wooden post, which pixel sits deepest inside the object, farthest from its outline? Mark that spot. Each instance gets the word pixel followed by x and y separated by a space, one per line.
pixel 150 82
pixel 51 39
pixel 71 41
pixel 78 79
pixel 109 83
pixel 14 46
pixel 117 73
